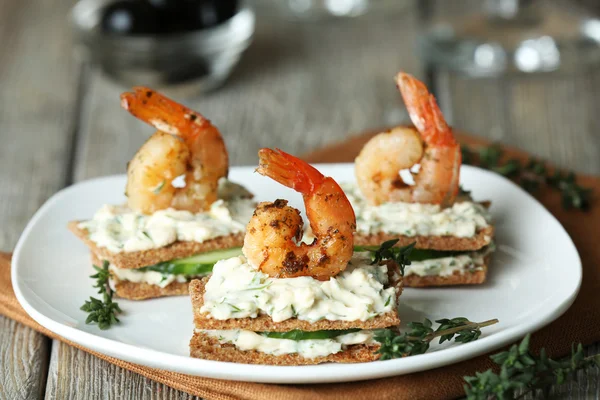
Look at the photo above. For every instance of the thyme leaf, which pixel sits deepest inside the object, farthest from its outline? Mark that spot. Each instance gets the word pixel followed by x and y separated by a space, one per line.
pixel 395 344
pixel 102 312
pixel 521 370
pixel 387 251
pixel 531 175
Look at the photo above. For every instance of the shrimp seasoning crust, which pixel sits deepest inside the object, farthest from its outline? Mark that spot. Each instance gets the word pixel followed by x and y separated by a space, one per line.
pixel 186 144
pixel 182 213
pixel 272 241
pixel 453 234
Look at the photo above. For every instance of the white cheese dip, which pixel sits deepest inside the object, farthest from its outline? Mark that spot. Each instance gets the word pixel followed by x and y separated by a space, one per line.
pixel 149 277
pixel 120 229
pixel 446 266
pixel 237 289
pixel 312 348
pixel 463 219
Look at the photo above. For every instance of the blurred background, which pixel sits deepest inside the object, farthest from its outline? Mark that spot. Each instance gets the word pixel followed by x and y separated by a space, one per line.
pixel 296 74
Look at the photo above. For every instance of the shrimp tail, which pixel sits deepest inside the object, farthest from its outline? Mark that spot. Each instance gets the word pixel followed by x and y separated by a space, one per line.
pixel 163 113
pixel 424 111
pixel 289 171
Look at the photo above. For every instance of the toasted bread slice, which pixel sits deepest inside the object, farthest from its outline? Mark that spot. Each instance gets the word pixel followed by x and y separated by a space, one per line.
pixel 466 278
pixel 264 323
pixel 144 291
pixel 451 243
pixel 139 259
pixel 141 290
pixel 209 348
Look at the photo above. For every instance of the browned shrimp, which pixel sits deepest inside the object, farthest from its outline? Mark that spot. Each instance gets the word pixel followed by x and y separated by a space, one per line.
pixel 272 241
pixel 432 145
pixel 186 144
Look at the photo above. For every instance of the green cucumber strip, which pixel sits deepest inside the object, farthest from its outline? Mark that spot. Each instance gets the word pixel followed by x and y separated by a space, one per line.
pixel 297 334
pixel 200 264
pixel 168 268
pixel 418 254
pixel 210 257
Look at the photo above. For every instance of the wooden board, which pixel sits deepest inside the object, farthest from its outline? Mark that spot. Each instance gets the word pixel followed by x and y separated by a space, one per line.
pixel 38 80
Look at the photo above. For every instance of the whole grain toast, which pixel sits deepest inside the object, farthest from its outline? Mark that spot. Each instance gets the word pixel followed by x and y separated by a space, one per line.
pixel 144 291
pixel 139 259
pixel 141 290
pixel 466 278
pixel 264 323
pixel 482 238
pixel 209 348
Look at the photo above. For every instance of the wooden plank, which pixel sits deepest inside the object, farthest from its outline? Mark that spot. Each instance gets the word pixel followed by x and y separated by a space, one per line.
pixel 552 117
pixel 24 361
pixel 39 84
pixel 79 375
pixel 38 79
pixel 299 86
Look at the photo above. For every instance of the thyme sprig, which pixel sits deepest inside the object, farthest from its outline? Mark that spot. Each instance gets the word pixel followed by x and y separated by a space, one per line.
pixel 103 311
pixel 520 370
pixel 530 175
pixel 387 251
pixel 417 340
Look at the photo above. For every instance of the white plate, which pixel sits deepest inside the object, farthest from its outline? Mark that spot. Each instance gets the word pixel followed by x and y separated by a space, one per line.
pixel 534 277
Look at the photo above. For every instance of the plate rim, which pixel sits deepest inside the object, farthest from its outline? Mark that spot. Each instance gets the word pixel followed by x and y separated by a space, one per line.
pixel 280 374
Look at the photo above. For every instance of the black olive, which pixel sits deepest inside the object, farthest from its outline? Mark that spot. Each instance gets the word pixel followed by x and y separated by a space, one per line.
pixel 204 14
pixel 226 9
pixel 130 17
pixel 171 14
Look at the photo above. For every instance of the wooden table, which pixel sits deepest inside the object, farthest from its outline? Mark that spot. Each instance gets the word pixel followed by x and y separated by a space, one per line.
pixel 298 87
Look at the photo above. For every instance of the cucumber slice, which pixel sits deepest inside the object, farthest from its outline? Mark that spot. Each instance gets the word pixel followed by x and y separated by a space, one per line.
pixel 297 334
pixel 201 264
pixel 210 257
pixel 417 254
pixel 168 268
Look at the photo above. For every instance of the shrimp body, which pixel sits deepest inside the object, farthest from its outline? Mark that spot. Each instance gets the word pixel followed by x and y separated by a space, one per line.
pixel 432 145
pixel 272 241
pixel 203 161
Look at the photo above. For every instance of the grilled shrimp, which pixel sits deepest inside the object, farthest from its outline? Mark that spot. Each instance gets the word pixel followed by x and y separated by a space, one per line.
pixel 185 144
pixel 431 144
pixel 273 235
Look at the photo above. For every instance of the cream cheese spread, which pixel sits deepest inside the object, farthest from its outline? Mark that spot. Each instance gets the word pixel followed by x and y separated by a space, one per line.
pixel 247 340
pixel 463 219
pixel 446 266
pixel 237 289
pixel 149 277
pixel 120 229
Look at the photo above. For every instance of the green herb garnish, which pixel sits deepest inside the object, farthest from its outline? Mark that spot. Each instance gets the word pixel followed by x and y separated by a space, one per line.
pixel 520 370
pixel 531 175
pixel 387 251
pixel 159 187
pixel 416 341
pixel 297 334
pixel 103 311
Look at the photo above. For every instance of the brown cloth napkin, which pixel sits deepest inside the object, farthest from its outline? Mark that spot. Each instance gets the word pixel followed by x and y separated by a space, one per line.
pixel 581 323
